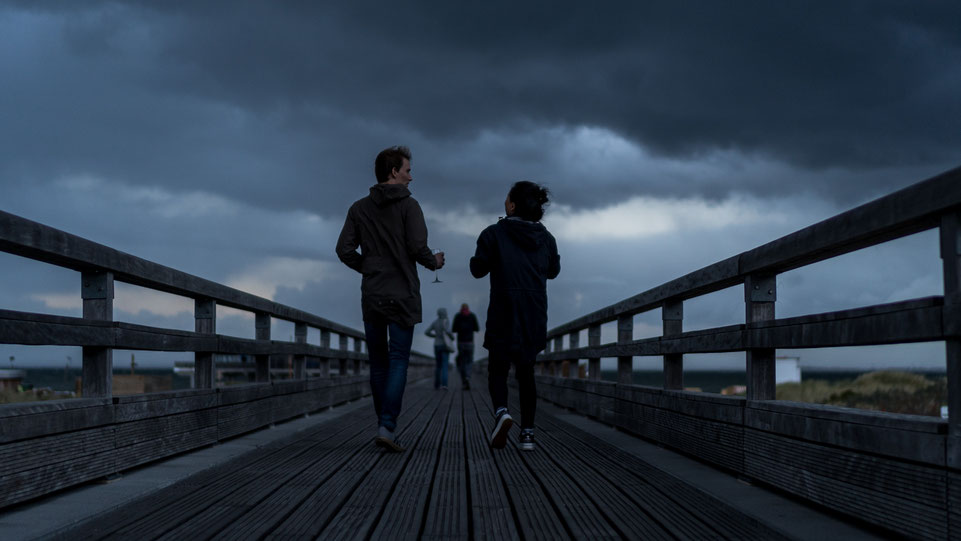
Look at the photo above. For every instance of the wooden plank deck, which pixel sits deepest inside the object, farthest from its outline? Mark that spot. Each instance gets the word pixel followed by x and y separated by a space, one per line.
pixel 331 482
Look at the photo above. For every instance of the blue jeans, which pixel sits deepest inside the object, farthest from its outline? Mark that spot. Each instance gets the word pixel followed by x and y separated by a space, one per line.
pixel 441 357
pixel 388 348
pixel 465 358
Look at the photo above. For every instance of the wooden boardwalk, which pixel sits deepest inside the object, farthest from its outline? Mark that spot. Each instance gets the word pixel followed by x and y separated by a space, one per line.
pixel 331 482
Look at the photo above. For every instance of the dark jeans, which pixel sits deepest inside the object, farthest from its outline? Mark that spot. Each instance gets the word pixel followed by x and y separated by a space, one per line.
pixel 441 358
pixel 498 368
pixel 388 347
pixel 465 357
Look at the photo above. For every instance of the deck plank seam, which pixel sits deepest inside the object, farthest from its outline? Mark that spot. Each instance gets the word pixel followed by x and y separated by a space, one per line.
pixel 408 428
pixel 543 490
pixel 333 515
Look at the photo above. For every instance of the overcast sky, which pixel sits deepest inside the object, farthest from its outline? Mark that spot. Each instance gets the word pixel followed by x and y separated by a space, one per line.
pixel 228 139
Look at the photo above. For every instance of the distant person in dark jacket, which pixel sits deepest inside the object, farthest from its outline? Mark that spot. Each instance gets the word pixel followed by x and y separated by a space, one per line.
pixel 521 255
pixel 465 325
pixel 388 227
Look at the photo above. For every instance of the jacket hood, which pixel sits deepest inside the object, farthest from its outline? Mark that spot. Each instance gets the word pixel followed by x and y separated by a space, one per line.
pixel 527 235
pixel 442 313
pixel 384 194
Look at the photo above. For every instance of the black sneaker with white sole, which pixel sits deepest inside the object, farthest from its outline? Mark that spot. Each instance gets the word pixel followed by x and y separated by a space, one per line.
pixel 526 441
pixel 502 426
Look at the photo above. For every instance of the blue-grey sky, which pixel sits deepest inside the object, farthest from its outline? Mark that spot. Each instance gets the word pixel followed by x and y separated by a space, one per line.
pixel 227 139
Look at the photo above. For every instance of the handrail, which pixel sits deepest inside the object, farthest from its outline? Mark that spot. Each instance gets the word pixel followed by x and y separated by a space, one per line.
pixel 23 237
pixel 932 203
pixel 907 211
pixel 100 266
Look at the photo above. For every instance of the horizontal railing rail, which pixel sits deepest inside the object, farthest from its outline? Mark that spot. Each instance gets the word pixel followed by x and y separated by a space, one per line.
pixel 23 237
pixel 98 334
pixel 933 203
pixel 911 210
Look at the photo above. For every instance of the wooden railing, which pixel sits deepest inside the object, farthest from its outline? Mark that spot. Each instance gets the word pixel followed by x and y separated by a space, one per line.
pixel 45 446
pixel 826 454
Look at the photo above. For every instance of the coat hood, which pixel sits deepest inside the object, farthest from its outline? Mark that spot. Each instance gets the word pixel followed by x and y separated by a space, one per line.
pixel 527 235
pixel 442 313
pixel 384 194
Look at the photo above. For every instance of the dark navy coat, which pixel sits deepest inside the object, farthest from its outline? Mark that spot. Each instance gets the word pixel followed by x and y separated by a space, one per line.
pixel 520 257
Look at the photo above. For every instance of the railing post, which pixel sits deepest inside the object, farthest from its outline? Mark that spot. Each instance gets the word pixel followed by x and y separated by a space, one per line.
pixel 760 294
pixel 540 367
pixel 205 322
pixel 262 332
pixel 556 367
pixel 594 363
pixel 672 316
pixel 575 340
pixel 625 363
pixel 325 361
pixel 951 322
pixel 300 360
pixel 97 293
pixel 357 362
pixel 343 360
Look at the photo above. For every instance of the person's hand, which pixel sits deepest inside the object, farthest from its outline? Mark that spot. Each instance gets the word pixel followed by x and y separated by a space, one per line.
pixel 439 258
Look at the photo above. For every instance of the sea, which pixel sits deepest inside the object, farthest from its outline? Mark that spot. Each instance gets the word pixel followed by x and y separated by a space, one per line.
pixel 710 381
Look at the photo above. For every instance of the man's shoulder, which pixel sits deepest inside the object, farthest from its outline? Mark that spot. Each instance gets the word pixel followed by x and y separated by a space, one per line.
pixel 360 202
pixel 408 201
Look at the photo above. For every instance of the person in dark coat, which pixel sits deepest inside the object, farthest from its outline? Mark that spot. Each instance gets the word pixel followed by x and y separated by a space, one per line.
pixel 521 255
pixel 465 325
pixel 388 227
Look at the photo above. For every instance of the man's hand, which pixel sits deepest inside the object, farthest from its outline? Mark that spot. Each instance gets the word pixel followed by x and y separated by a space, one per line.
pixel 439 258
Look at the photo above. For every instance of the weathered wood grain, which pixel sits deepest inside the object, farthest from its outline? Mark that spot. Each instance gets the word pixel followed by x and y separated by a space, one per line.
pixel 887 469
pixel 53 445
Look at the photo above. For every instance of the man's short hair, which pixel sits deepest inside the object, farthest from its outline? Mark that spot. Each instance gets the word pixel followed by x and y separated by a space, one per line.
pixel 388 160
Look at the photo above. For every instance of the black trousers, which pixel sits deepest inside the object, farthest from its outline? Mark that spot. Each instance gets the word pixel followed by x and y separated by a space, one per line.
pixel 497 370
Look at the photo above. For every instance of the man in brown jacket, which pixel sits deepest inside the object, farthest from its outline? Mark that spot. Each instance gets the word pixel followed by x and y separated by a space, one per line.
pixel 388 226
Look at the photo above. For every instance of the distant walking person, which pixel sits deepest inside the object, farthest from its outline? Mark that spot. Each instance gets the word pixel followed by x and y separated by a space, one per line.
pixel 439 330
pixel 521 255
pixel 465 325
pixel 388 227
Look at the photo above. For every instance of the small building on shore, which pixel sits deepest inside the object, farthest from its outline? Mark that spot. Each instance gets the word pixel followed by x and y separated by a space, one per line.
pixel 787 370
pixel 10 379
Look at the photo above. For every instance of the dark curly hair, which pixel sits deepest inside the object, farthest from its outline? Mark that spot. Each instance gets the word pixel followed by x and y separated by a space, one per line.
pixel 388 160
pixel 529 200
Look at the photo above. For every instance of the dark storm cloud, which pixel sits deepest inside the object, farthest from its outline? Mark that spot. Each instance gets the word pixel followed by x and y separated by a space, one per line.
pixel 283 104
pixel 822 84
